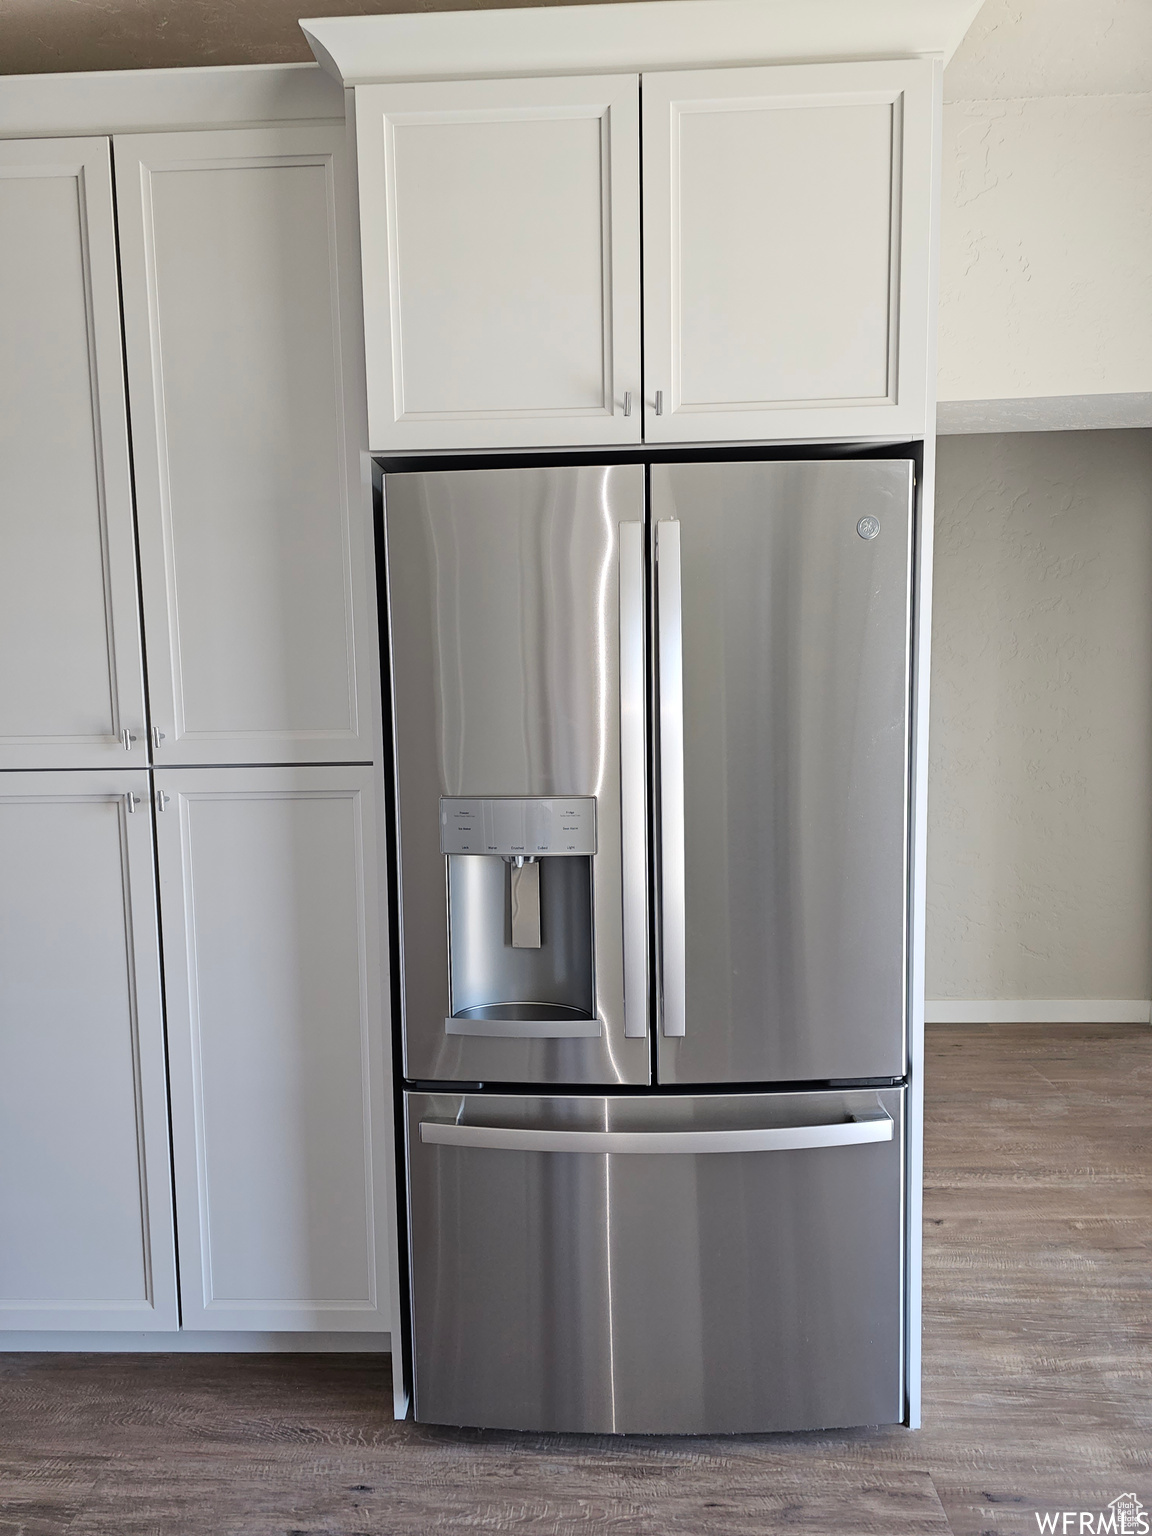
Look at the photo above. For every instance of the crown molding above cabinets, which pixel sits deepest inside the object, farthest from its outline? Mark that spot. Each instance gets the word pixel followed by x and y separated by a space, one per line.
pixel 650 34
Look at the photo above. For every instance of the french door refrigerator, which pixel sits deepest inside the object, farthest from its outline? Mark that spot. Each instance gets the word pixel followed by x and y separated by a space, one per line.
pixel 651 733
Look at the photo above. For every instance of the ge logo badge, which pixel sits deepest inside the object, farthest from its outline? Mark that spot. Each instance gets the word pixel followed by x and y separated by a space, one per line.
pixel 868 527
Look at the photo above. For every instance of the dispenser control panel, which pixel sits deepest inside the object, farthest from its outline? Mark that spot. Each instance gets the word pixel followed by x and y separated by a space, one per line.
pixel 532 828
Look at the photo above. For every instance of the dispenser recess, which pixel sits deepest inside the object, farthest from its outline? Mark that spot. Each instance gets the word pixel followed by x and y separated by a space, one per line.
pixel 520 916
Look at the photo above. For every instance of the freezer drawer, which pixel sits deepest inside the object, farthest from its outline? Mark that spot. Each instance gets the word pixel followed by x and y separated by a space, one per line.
pixel 658 1265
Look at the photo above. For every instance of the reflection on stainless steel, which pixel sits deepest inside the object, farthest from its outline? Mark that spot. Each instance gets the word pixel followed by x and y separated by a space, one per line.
pixel 670 1294
pixel 524 903
pixel 503 603
pixel 795 645
pixel 633 780
pixel 527 1021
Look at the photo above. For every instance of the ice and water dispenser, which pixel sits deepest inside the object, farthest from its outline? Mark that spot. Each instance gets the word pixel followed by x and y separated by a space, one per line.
pixel 520 915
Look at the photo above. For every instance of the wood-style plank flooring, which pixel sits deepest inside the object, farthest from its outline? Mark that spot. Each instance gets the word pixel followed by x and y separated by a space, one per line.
pixel 1037 1348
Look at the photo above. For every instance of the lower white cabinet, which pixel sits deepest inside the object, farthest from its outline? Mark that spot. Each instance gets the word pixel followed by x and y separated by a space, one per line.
pixel 278 1071
pixel 86 1236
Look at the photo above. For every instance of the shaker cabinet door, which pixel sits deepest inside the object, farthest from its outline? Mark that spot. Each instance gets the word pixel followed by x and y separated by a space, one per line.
pixel 71 677
pixel 241 319
pixel 281 1123
pixel 787 237
pixel 86 1236
pixel 500 235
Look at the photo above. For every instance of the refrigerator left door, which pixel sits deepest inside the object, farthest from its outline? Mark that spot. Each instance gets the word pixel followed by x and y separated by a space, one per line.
pixel 516 639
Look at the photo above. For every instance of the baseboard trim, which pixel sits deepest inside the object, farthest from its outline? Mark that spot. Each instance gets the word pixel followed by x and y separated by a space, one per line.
pixel 1032 1010
pixel 187 1342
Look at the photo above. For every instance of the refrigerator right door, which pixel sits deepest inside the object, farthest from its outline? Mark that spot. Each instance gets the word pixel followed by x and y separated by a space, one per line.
pixel 782 610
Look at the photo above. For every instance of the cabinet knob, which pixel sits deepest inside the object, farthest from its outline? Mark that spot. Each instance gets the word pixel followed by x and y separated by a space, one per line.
pixel 659 402
pixel 627 402
pixel 126 739
pixel 157 736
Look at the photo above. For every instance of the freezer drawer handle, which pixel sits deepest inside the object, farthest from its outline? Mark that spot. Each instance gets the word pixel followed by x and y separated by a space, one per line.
pixel 774 1138
pixel 672 880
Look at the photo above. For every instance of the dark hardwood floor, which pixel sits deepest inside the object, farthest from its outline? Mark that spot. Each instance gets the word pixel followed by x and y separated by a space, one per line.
pixel 1037 1349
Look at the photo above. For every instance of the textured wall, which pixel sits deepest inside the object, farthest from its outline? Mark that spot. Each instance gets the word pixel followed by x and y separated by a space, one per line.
pixel 1040 819
pixel 1046 247
pixel 1046 220
pixel 1018 48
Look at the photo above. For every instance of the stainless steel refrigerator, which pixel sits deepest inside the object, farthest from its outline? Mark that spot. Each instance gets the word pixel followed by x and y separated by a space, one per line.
pixel 651 733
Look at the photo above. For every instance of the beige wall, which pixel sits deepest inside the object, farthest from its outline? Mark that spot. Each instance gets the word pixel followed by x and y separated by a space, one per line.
pixel 41 36
pixel 1040 816
pixel 1046 221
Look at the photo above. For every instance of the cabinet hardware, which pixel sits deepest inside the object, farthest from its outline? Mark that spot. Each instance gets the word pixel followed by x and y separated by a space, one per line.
pixel 131 801
pixel 127 738
pixel 659 402
pixel 161 799
pixel 157 736
pixel 627 402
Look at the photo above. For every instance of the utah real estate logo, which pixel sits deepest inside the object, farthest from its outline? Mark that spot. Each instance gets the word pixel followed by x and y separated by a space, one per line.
pixel 1124 1516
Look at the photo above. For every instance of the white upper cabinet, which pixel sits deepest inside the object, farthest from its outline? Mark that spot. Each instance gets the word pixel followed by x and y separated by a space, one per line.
pixel 500 229
pixel 241 300
pixel 71 678
pixel 787 251
pixel 86 1236
pixel 787 218
pixel 277 1049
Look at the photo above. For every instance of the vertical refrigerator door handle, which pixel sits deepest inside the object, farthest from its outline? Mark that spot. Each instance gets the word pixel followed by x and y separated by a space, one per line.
pixel 671 777
pixel 633 786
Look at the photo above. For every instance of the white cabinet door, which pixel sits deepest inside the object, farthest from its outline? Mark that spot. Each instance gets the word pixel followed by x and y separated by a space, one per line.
pixel 85 1195
pixel 241 311
pixel 281 1120
pixel 71 680
pixel 787 251
pixel 500 237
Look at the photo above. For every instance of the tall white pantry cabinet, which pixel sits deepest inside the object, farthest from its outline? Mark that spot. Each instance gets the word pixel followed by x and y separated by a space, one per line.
pixel 195 1118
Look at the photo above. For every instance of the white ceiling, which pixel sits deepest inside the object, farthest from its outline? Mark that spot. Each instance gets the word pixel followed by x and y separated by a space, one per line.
pixel 1053 48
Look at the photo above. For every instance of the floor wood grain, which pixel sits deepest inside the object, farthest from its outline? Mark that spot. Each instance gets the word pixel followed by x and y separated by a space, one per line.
pixel 1038 1373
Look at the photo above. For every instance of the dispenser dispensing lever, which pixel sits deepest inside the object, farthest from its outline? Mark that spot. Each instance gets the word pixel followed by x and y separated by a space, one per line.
pixel 524 895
